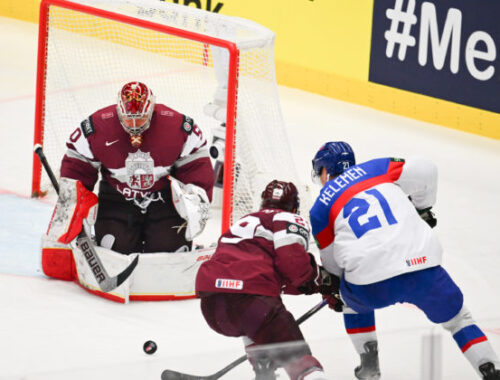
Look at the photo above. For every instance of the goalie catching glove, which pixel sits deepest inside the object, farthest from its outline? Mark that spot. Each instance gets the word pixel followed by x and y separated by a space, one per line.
pixel 192 204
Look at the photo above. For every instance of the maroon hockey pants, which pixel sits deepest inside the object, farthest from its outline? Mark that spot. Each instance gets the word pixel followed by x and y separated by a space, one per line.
pixel 156 230
pixel 264 320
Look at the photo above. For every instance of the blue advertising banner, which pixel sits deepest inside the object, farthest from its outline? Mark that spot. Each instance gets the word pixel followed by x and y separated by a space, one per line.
pixel 446 49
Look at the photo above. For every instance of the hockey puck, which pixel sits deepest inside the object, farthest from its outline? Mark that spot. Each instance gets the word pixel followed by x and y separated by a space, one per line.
pixel 149 347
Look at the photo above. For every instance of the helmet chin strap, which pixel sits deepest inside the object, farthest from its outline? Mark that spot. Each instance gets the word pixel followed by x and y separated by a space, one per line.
pixel 136 140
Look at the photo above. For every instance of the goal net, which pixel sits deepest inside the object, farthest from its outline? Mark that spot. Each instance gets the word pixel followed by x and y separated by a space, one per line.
pixel 219 70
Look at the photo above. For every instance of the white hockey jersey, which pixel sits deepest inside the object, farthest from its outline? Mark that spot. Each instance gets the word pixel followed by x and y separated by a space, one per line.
pixel 368 229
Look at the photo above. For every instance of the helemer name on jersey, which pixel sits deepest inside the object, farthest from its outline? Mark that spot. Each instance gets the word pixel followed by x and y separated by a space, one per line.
pixel 342 181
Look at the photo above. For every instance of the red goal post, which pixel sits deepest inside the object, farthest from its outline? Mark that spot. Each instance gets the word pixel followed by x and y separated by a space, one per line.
pixel 190 58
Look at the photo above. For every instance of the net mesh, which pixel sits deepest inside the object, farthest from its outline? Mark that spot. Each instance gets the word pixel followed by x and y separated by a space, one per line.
pixel 89 58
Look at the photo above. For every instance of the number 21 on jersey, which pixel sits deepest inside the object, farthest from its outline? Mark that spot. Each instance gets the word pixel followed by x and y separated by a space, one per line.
pixel 358 207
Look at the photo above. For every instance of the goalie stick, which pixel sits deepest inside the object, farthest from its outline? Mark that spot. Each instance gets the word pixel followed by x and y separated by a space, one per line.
pixel 86 245
pixel 174 375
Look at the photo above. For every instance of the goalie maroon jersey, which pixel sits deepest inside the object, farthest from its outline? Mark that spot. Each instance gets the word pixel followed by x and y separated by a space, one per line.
pixel 263 253
pixel 173 144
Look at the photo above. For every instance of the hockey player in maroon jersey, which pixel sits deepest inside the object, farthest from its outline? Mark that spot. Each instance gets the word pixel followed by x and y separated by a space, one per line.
pixel 261 256
pixel 156 179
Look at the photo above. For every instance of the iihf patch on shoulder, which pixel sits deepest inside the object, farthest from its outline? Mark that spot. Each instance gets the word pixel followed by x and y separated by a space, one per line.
pixel 224 283
pixel 87 127
pixel 299 230
pixel 187 124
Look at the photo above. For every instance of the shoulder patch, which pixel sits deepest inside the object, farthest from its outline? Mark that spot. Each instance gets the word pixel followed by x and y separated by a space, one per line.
pixel 87 127
pixel 107 115
pixel 292 228
pixel 393 159
pixel 187 124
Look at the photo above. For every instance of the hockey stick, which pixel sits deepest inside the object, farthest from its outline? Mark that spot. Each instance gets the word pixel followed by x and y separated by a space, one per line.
pixel 86 245
pixel 174 375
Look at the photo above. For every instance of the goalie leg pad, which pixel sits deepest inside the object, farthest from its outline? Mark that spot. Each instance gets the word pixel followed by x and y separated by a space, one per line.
pixel 75 203
pixel 58 263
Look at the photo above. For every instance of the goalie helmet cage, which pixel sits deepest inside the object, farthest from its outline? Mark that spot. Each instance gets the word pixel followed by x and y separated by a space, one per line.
pixel 214 68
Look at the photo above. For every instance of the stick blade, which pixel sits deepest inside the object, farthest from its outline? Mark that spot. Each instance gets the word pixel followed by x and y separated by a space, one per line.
pixel 114 282
pixel 174 375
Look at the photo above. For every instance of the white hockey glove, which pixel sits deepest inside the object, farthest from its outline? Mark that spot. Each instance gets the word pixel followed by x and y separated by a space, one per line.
pixel 192 204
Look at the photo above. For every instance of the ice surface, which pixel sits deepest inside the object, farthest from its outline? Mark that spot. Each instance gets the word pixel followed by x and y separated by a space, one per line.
pixel 55 330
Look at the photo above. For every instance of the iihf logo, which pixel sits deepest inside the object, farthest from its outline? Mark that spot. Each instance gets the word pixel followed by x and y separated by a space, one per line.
pixel 416 261
pixel 225 283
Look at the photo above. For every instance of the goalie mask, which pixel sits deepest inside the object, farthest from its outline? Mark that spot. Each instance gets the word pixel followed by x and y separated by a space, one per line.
pixel 281 195
pixel 135 108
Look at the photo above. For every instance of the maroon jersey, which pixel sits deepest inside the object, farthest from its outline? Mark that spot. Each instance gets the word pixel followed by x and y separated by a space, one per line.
pixel 263 253
pixel 173 144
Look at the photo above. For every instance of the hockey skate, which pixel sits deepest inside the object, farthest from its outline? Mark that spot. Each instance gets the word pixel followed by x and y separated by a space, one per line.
pixel 264 369
pixel 369 367
pixel 489 372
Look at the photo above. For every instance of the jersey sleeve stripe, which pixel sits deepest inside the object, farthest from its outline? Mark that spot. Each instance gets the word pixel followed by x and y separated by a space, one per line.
pixel 282 238
pixel 263 233
pixel 286 217
pixel 201 153
pixel 70 153
pixel 325 237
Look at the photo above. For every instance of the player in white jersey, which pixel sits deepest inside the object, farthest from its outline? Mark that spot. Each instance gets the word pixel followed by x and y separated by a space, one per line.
pixel 373 224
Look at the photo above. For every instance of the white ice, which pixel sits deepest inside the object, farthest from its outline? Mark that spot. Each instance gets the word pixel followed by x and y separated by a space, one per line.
pixel 55 330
